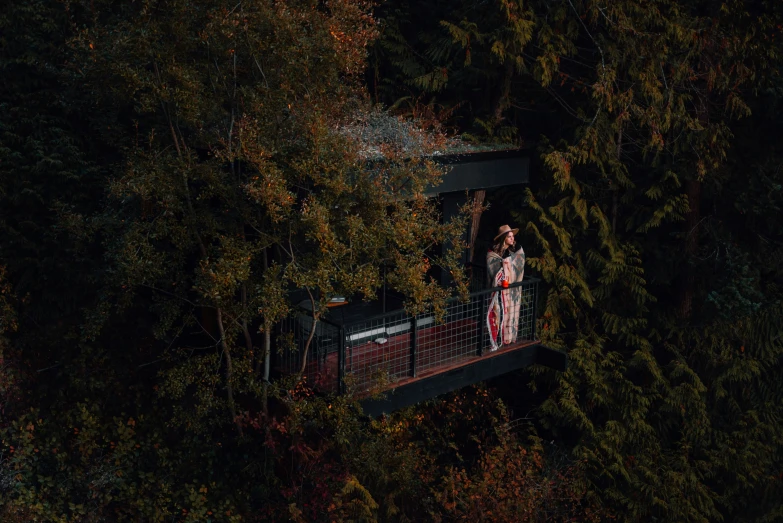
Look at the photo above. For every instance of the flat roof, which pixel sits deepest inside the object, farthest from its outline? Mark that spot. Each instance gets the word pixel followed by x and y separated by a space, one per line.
pixel 482 170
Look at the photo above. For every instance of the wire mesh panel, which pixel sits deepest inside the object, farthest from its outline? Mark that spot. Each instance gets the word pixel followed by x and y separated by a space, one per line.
pixel 321 368
pixel 382 350
pixel 378 350
pixel 527 311
pixel 453 340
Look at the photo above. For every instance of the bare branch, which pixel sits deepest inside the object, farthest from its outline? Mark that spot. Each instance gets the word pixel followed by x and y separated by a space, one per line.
pixel 312 333
pixel 600 50
pixel 229 370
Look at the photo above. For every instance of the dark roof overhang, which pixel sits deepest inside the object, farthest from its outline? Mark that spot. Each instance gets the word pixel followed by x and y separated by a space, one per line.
pixel 473 171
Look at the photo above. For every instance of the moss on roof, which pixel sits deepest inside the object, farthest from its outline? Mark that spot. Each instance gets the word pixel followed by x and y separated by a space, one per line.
pixel 379 132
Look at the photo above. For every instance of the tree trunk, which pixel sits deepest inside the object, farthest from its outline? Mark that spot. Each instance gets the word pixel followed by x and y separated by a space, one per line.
pixel 692 223
pixel 615 185
pixel 267 350
pixel 267 360
pixel 692 219
pixel 229 371
pixel 478 207
pixel 504 97
pixel 245 329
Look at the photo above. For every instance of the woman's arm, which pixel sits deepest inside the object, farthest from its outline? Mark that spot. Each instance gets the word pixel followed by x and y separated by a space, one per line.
pixel 494 264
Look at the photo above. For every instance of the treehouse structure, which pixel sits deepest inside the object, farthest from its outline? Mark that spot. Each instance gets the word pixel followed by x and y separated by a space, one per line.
pixel 376 346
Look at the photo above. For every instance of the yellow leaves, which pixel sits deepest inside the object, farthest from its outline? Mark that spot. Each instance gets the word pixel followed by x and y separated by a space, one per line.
pixel 340 36
pixel 269 189
pixel 219 277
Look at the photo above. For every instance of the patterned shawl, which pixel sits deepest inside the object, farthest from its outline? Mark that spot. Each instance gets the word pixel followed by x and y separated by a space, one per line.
pixel 503 310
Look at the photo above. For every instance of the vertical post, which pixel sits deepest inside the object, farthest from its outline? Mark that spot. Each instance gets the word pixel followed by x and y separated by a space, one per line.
pixel 414 328
pixel 341 361
pixel 534 312
pixel 384 287
pixel 482 321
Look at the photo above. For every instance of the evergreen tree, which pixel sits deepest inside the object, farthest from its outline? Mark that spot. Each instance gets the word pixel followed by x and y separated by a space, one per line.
pixel 647 96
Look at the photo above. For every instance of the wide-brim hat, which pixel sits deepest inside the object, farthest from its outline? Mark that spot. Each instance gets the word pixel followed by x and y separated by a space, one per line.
pixel 503 230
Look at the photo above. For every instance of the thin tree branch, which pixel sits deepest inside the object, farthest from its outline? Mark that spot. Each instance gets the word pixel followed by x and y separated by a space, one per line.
pixel 229 371
pixel 312 333
pixel 600 50
pixel 184 300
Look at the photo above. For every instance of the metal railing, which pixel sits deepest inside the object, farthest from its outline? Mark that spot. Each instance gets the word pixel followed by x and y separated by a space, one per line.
pixel 378 351
pixel 290 340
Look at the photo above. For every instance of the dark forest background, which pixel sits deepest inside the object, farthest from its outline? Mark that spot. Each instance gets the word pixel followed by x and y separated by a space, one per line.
pixel 169 169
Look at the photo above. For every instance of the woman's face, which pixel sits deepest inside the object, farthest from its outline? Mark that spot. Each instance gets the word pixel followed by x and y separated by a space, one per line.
pixel 509 239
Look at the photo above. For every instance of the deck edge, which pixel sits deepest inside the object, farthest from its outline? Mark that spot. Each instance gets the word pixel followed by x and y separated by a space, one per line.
pixel 482 368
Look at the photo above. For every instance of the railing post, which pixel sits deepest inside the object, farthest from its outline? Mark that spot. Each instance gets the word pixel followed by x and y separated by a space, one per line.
pixel 414 328
pixel 482 320
pixel 341 361
pixel 535 312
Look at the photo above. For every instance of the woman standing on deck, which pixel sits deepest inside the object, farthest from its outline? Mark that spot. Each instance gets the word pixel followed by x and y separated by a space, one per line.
pixel 504 267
